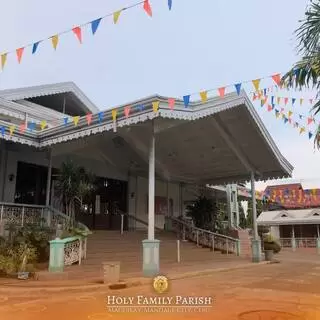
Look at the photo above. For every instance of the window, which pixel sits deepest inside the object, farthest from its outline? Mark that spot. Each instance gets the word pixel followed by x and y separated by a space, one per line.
pixel 284 216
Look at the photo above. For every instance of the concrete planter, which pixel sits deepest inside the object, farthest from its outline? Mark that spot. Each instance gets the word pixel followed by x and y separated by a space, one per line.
pixel 268 255
pixel 111 272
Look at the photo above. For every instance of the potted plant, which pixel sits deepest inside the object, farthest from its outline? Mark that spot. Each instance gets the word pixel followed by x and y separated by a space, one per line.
pixel 27 255
pixel 271 246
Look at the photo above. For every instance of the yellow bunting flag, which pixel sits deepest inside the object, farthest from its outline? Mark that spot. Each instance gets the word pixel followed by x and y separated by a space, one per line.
pixel 155 106
pixel 256 84
pixel 290 113
pixel 302 130
pixel 43 124
pixel 76 120
pixel 204 96
pixel 114 114
pixel 116 16
pixel 301 101
pixel 278 100
pixel 11 130
pixel 277 114
pixel 3 59
pixel 55 40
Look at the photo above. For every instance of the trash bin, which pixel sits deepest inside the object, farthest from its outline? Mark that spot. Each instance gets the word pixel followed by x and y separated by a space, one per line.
pixel 111 272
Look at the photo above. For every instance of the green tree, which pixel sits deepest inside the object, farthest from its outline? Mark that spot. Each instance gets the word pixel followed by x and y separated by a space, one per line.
pixel 74 183
pixel 306 72
pixel 249 212
pixel 242 217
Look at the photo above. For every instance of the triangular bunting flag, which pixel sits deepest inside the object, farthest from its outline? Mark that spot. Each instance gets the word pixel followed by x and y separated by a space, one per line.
pixel 290 120
pixel 12 129
pixel 35 47
pixel 285 120
pixel 204 96
pixel 147 7
pixel 272 100
pixel 310 120
pixel 100 116
pixel 277 79
pixel 301 101
pixel 263 102
pixel 186 100
pixel 286 101
pixel 310 135
pixel 76 120
pixel 95 25
pixel 300 116
pixel 277 113
pixel 290 113
pixel 254 97
pixel 293 101
pixel 32 126
pixel 89 118
pixel 222 91
pixel 114 114
pixel 19 54
pixel 265 91
pixel 116 16
pixel 43 124
pixel 3 130
pixel 140 107
pixel 65 120
pixel 169 4
pixel 278 100
pixel 3 60
pixel 54 41
pixel 269 107
pixel 171 102
pixel 155 106
pixel 127 111
pixel 22 127
pixel 256 84
pixel 302 130
pixel 238 88
pixel 78 33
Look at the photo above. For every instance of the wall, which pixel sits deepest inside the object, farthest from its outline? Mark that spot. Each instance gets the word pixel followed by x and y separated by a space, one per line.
pixel 275 231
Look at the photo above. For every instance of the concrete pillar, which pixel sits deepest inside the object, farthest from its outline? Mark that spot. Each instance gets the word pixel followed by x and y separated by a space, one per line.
pixel 49 178
pixel 293 240
pixel 56 259
pixel 3 168
pixel 151 263
pixel 256 243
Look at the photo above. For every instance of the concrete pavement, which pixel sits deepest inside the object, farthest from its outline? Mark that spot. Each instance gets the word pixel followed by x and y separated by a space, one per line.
pixel 288 290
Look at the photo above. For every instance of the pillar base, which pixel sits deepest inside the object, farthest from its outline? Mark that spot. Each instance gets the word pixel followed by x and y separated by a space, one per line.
pixel 151 261
pixel 318 245
pixel 256 250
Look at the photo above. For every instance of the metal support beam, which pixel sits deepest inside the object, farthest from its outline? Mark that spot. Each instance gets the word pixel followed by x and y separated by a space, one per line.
pixel 49 177
pixel 254 208
pixel 227 137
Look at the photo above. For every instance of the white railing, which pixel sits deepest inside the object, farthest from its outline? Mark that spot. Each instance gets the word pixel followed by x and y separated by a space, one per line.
pixel 299 242
pixel 75 249
pixel 204 238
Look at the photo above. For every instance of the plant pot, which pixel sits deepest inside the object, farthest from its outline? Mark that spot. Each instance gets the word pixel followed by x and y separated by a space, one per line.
pixel 23 275
pixel 268 254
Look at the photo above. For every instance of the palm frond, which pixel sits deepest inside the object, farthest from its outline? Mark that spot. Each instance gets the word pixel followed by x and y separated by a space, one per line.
pixel 308 34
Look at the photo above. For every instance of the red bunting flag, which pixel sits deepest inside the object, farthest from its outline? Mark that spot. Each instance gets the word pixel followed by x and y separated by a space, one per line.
pixel 78 33
pixel 277 79
pixel 171 102
pixel 222 91
pixel 89 118
pixel 23 127
pixel 147 8
pixel 286 101
pixel 19 54
pixel 254 97
pixel 310 120
pixel 127 111
pixel 269 107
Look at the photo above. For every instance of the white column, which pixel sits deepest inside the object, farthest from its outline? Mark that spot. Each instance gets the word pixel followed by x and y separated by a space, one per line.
pixel 318 232
pixel 292 234
pixel 254 208
pixel 168 200
pixel 49 178
pixel 151 186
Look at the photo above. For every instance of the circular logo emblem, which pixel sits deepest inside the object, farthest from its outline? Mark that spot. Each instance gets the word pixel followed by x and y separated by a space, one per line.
pixel 160 284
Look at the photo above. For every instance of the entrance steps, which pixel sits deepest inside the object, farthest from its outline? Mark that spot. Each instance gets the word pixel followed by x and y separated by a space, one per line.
pixel 127 248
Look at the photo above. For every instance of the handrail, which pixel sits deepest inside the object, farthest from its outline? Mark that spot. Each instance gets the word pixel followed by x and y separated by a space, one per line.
pixel 13 204
pixel 130 216
pixel 202 230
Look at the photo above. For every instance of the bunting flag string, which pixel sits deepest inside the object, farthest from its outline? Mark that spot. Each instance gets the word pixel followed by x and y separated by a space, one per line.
pixel 77 31
pixel 272 103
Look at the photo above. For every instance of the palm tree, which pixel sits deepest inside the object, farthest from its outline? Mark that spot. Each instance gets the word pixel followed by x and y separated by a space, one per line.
pixel 306 72
pixel 74 183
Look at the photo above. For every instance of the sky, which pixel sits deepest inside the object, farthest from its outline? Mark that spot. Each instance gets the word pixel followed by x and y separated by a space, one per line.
pixel 199 44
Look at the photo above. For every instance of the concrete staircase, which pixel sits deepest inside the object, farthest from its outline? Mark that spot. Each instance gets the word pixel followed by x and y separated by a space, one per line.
pixel 127 248
pixel 245 243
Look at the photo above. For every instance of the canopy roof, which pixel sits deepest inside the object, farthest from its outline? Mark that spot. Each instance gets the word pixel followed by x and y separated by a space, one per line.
pixel 220 141
pixel 289 217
